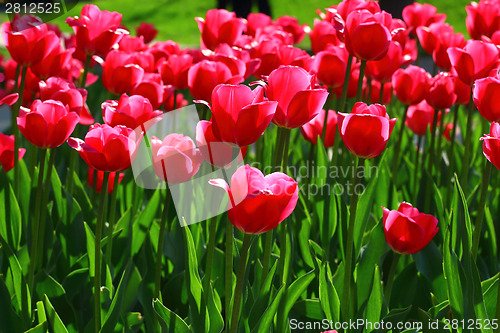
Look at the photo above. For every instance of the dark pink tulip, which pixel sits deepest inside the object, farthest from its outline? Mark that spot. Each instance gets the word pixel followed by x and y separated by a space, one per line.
pixel 175 69
pixel 240 115
pixel 120 75
pixel 175 159
pixel 410 84
pixel 420 117
pixel 330 66
pixel 283 55
pixel 322 35
pixel 131 112
pixel 491 145
pixel 382 69
pixel 256 21
pixel 408 231
pixel 440 93
pixel 463 92
pixel 96 31
pixel 47 124
pixel 146 31
pixel 483 18
pixel 107 148
pixel 96 182
pixel 253 196
pixel 54 60
pixel 344 8
pixel 219 26
pixel 298 99
pixel 151 87
pixel 291 25
pixel 366 130
pixel 7 151
pixel 212 149
pixel 205 75
pixel 132 44
pixel 445 41
pixel 485 95
pixel 314 129
pixel 417 15
pixel 474 61
pixel 366 36
pixel 429 36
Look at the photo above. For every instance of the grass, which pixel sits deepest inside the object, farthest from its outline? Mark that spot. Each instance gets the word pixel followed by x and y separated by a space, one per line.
pixel 175 18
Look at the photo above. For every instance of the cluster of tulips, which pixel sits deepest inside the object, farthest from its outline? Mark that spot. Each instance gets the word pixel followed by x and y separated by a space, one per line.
pixel 336 256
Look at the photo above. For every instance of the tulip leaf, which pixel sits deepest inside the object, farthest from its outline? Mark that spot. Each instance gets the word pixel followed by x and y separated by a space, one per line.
pixel 309 308
pixel 169 320
pixel 90 249
pixel 395 316
pixel 429 263
pixel 58 195
pixel 490 294
pixel 376 300
pixel 304 232
pixel 55 321
pixel 214 312
pixel 328 296
pixel 266 321
pixel 452 276
pixel 9 320
pixel 293 293
pixel 40 328
pixel 82 198
pixel 10 217
pixel 264 293
pixel 143 222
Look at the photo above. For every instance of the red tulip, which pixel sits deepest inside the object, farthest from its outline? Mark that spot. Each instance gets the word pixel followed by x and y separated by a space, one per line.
pixel 175 159
pixel 352 88
pixel 131 112
pixel 219 26
pixel 174 71
pixel 420 117
pixel 429 36
pixel 285 55
pixel 146 31
pixel 47 124
pixel 330 66
pixel 240 115
pixel 152 88
pixel 253 196
pixel 447 131
pixel 410 84
pixel 408 231
pixel 291 25
pixel 366 37
pixel 314 129
pixel 172 96
pixel 344 8
pixel 7 151
pixel 463 92
pixel 374 91
pixel 205 75
pixel 132 44
pixel 417 15
pixel 366 130
pixel 298 100
pixel 483 18
pixel 485 96
pixel 445 41
pixel 120 75
pixel 215 152
pixel 256 21
pixel 440 93
pixel 97 185
pixel 107 148
pixel 322 35
pixel 96 31
pixel 382 69
pixel 474 61
pixel 54 60
pixel 491 145
pixel 27 39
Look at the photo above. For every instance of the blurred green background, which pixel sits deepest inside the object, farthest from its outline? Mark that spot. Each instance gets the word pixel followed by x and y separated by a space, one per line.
pixel 175 18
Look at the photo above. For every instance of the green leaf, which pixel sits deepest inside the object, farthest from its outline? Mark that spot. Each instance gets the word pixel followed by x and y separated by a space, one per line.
pixel 54 320
pixel 143 222
pixel 9 320
pixel 214 313
pixel 490 294
pixel 430 264
pixel 169 320
pixel 266 321
pixel 40 328
pixel 10 217
pixel 395 316
pixel 264 293
pixel 452 276
pixel 292 295
pixel 40 310
pixel 58 195
pixel 309 308
pixel 328 296
pixel 90 249
pixel 376 299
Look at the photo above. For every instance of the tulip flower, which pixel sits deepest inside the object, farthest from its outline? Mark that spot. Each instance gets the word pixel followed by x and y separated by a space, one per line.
pixel 298 99
pixel 256 21
pixel 47 124
pixel 313 129
pixel 491 145
pixel 120 75
pixel 205 75
pixel 463 91
pixel 322 35
pixel 219 26
pixel 440 93
pixel 474 61
pixel 7 151
pixel 345 7
pixel 330 66
pixel 417 15
pixel 174 71
pixel 410 84
pixel 483 19
pixel 372 93
pixel 408 231
pixel 253 196
pixel 175 159
pixel 212 149
pixel 151 87
pixel 54 60
pixel 485 94
pixel 291 25
pixel 382 69
pixel 285 55
pixel 96 31
pixel 366 37
pixel 366 130
pixel 429 36
pixel 420 117
pixel 131 112
pixel 96 182
pixel 147 31
pixel 107 148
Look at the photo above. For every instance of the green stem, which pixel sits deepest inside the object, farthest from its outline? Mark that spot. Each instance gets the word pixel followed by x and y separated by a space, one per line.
pixel 439 149
pixel 17 137
pixel 360 80
pixel 347 76
pixel 480 214
pixel 240 279
pixel 45 198
pixel 83 78
pixel 468 142
pixel 346 296
pixel 268 244
pixel 381 95
pixel 111 220
pixel 397 150
pixel 325 120
pixel 161 235
pixel 417 166
pixel 229 270
pixel 210 256
pixel 97 253
pixel 36 221
pixel 430 161
pixel 283 244
pixel 390 277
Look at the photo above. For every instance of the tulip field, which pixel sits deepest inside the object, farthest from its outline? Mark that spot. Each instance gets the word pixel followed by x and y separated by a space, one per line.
pixel 248 184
